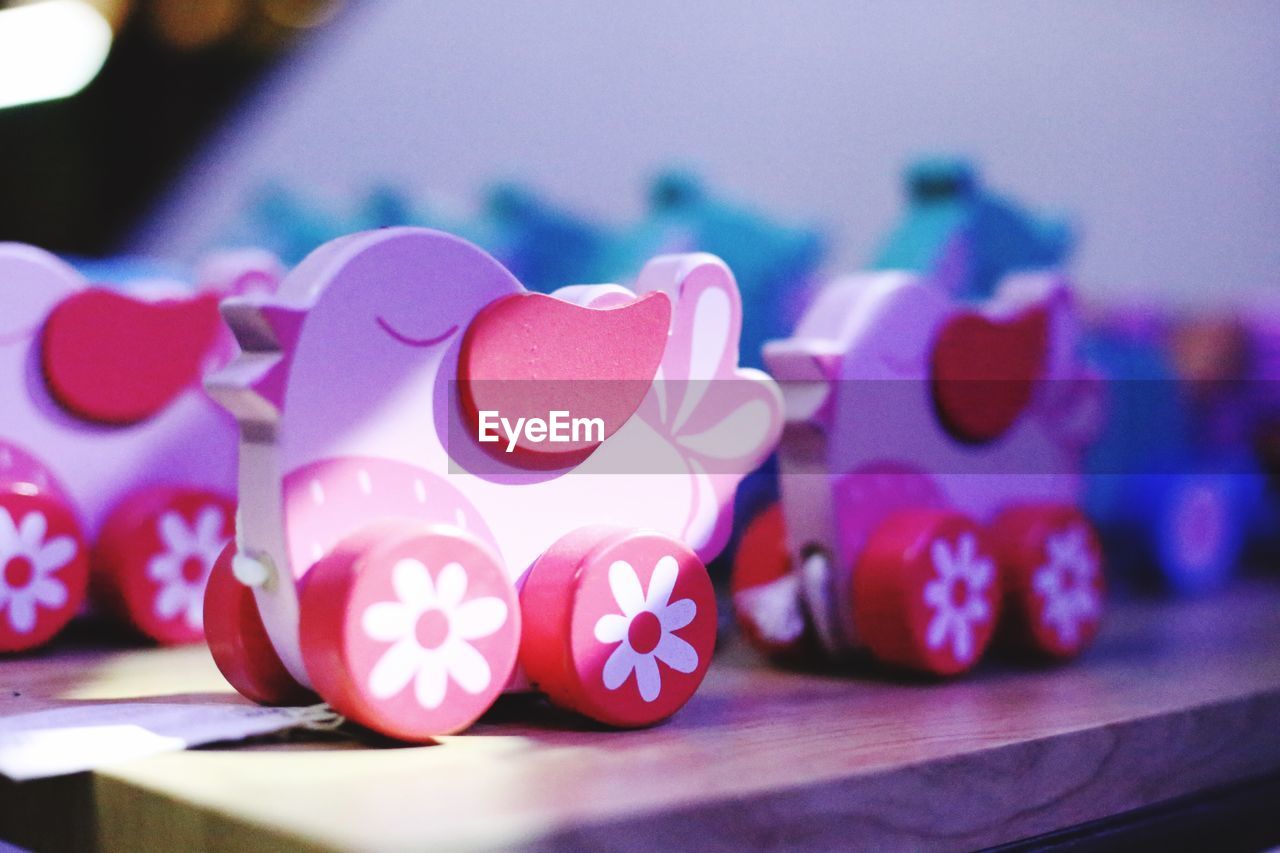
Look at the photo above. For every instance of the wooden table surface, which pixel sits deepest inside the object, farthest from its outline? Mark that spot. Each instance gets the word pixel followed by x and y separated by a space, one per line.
pixel 1175 698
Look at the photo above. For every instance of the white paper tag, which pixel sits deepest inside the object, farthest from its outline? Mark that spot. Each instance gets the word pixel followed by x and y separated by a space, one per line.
pixel 56 741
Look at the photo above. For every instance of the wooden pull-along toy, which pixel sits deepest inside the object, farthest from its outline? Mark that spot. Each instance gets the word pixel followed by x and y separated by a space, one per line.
pixel 117 472
pixel 408 573
pixel 929 479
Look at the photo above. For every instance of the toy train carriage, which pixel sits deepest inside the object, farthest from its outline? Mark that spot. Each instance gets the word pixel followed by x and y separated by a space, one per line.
pixel 929 478
pixel 110 452
pixel 394 563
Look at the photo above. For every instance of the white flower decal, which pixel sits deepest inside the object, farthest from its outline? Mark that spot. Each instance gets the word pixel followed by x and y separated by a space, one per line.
pixel 956 595
pixel 27 562
pixel 182 570
pixel 644 629
pixel 429 628
pixel 1067 584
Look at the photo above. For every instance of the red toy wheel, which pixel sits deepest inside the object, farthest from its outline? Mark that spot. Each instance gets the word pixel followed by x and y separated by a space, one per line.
pixel 619 625
pixel 410 629
pixel 925 592
pixel 44 569
pixel 153 559
pixel 239 643
pixel 1051 562
pixel 766 594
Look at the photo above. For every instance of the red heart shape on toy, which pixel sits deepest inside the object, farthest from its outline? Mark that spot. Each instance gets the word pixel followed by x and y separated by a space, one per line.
pixel 984 371
pixel 530 355
pixel 117 360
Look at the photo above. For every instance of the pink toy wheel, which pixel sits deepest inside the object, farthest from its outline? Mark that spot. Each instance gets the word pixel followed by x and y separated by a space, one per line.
pixel 409 629
pixel 766 594
pixel 1051 562
pixel 925 592
pixel 619 625
pixel 153 559
pixel 239 642
pixel 44 569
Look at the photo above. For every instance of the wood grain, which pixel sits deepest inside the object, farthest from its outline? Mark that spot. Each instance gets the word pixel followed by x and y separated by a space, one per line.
pixel 1176 698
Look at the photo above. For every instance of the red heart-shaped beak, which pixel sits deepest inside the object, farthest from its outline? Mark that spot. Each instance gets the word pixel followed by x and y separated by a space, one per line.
pixel 529 355
pixel 116 360
pixel 984 371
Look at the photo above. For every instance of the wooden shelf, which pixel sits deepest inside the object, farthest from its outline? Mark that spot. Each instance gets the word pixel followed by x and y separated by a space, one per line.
pixel 1175 698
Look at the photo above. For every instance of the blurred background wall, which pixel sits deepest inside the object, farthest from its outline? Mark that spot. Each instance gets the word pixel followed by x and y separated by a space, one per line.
pixel 1156 123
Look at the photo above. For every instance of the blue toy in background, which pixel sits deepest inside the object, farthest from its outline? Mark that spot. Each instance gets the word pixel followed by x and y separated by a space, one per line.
pixel 1164 495
pixel 776 265
pixel 283 222
pixel 545 246
pixel 963 235
pixel 291 225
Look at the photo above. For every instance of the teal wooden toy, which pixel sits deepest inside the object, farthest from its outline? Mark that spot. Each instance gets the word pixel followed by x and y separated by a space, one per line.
pixel 291 224
pixel 776 264
pixel 969 238
pixel 546 246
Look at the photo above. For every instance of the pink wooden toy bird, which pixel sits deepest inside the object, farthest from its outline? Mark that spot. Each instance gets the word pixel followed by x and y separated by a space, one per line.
pixel 116 470
pixel 929 478
pixel 407 555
